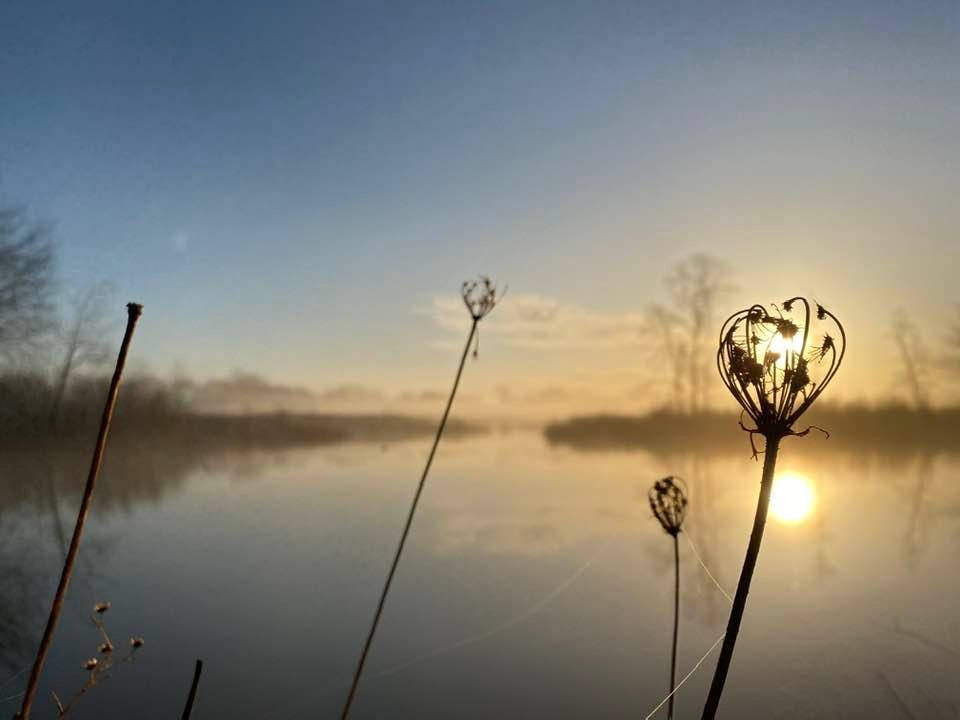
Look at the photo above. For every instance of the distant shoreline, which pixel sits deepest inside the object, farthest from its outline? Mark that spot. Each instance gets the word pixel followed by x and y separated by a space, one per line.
pixel 248 430
pixel 891 429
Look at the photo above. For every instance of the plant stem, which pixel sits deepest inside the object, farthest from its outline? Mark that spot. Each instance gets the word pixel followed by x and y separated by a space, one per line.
pixel 197 669
pixel 746 575
pixel 676 620
pixel 406 529
pixel 133 314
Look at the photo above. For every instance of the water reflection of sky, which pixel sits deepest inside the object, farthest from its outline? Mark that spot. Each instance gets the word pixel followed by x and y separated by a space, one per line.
pixel 535 584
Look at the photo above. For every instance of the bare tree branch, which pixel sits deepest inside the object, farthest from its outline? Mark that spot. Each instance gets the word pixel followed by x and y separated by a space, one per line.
pixel 26 283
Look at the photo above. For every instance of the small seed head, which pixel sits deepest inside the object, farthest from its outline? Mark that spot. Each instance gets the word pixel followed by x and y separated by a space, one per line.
pixel 668 502
pixel 479 296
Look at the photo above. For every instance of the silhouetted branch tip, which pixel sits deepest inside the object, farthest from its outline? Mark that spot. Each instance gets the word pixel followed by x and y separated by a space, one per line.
pixel 134 310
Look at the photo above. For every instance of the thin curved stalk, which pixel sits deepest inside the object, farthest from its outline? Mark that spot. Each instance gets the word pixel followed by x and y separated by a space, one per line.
pixel 406 529
pixel 192 697
pixel 746 575
pixel 133 314
pixel 676 622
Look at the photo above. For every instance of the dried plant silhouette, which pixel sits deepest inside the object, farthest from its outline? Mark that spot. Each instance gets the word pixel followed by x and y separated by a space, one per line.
pixel 668 501
pixel 479 297
pixel 99 665
pixel 194 685
pixel 133 314
pixel 771 366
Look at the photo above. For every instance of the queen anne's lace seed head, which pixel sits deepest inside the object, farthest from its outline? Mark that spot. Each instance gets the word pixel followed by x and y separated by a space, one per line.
pixel 771 364
pixel 480 297
pixel 668 501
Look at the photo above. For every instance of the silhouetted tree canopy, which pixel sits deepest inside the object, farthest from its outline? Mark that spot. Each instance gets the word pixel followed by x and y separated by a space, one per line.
pixel 26 283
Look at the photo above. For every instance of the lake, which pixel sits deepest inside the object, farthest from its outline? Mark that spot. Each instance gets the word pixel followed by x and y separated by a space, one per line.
pixel 535 584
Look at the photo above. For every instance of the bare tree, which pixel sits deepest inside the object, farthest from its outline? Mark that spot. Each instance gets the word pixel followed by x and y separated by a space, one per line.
pixel 665 323
pixel 953 339
pixel 26 283
pixel 83 346
pixel 685 325
pixel 912 356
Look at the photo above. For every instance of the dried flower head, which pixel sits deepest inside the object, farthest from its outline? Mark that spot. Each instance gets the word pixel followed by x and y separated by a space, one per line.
pixel 480 297
pixel 90 664
pixel 770 364
pixel 101 607
pixel 668 501
pixel 136 642
pixel 106 648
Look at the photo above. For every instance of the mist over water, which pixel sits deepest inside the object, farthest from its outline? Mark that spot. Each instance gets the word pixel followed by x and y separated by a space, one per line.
pixel 536 582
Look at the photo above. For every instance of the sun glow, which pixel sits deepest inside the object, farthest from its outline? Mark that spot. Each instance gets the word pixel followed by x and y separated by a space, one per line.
pixel 793 498
pixel 780 345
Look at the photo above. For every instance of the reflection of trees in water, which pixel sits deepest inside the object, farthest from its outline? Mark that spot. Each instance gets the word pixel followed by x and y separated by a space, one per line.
pixel 32 545
pixel 917 531
pixel 20 583
pixel 39 490
pixel 927 505
pixel 702 600
pixel 824 567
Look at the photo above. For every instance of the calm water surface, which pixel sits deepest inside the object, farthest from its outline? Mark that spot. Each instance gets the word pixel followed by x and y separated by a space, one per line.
pixel 535 583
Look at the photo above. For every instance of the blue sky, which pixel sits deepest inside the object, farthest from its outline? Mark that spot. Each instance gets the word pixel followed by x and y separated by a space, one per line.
pixel 287 187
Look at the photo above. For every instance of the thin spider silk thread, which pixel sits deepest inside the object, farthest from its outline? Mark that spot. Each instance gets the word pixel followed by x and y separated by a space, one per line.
pixel 13 697
pixel 544 602
pixel 686 677
pixel 693 548
pixel 506 624
pixel 515 620
pixel 14 676
pixel 713 647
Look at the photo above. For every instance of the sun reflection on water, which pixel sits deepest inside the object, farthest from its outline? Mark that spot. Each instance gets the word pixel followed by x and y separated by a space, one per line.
pixel 793 498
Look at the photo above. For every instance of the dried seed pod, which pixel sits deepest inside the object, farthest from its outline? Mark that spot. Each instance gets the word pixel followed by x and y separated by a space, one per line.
pixel 480 297
pixel 770 363
pixel 668 501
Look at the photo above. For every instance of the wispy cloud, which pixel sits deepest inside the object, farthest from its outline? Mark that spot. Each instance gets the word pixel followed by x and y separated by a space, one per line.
pixel 542 323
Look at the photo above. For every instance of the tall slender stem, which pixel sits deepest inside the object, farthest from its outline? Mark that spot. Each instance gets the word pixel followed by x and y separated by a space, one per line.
pixel 133 314
pixel 746 575
pixel 192 697
pixel 406 529
pixel 676 620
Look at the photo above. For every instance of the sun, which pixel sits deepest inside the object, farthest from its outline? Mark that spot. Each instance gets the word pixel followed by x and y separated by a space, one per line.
pixel 780 345
pixel 793 498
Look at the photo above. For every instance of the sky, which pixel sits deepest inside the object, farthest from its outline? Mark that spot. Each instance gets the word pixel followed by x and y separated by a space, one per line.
pixel 298 189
